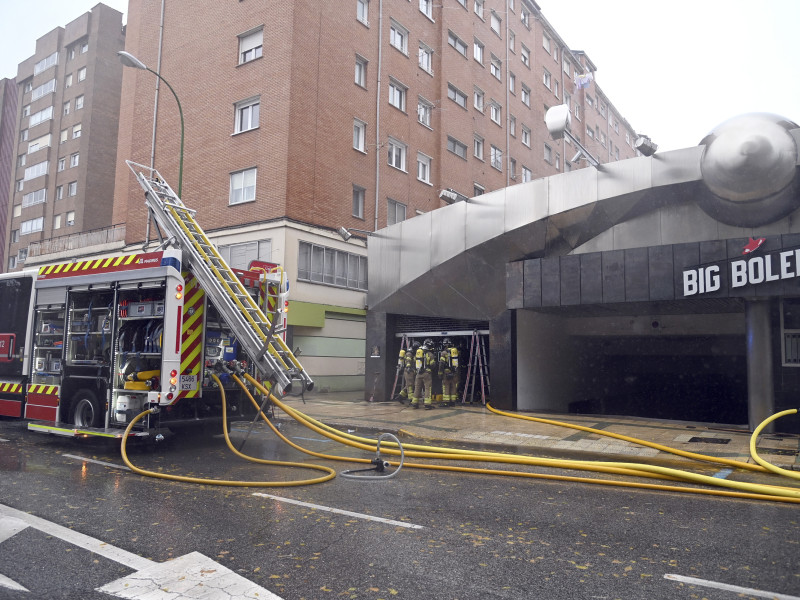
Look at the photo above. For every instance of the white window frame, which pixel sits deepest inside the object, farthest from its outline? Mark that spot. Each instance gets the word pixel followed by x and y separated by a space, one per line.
pixel 426 8
pixel 41 116
pixel 31 226
pixel 396 212
pixel 247 114
pixel 457 147
pixel 526 136
pixel 397 152
pixel 398 37
pixel 359 197
pixel 79 102
pixel 251 45
pixel 496 24
pixel 362 11
pixel 397 94
pixel 477 147
pixel 457 43
pixel 496 67
pixel 479 8
pixel 478 96
pixel 81 73
pixel 76 131
pixel 360 135
pixel 70 218
pixel 424 164
pixel 496 157
pixel 425 58
pixel 361 71
pixel 548 154
pixel 424 111
pixel 72 188
pixel 526 95
pixel 527 174
pixel 243 186
pixel 478 50
pixel 496 112
pixel 546 78
pixel 546 43
pixel 74 160
pixel 456 95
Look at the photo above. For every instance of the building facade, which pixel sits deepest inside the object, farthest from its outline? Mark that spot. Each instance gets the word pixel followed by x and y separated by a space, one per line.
pixel 8 146
pixel 66 138
pixel 310 115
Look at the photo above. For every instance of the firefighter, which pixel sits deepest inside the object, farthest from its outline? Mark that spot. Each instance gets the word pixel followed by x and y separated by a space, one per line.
pixel 425 365
pixel 405 364
pixel 448 371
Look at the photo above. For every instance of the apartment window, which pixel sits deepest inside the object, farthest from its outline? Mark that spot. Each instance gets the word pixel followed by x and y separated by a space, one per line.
pixel 239 256
pixel 242 186
pixel 456 95
pixel 46 88
pixel 84 47
pixel 567 67
pixel 79 103
pixel 548 154
pixel 555 88
pixel 74 159
pixel 20 184
pixel 558 161
pixel 62 164
pixel 589 101
pixel 12 263
pixel 81 73
pixel 512 126
pixel 23 135
pixel 477 51
pixel 397 95
pixel 511 5
pixel 36 170
pixel 396 212
pixel 512 83
pixel 361 71
pixel 496 112
pixel 496 23
pixel 423 167
pixel 462 3
pixel 525 56
pixel 359 135
pixel 26 110
pixel 70 218
pixel 72 188
pixel 362 11
pixel 358 201
pixel 477 147
pixel 527 174
pixel 496 157
pixel 589 132
pixel 526 95
pixel 39 117
pixel 457 43
pixel 616 153
pixel 603 139
pixel 424 110
pixel 68 81
pixel 247 114
pixel 526 136
pixel 45 63
pixel 496 67
pixel 616 126
pixel 426 8
pixel 21 159
pixel 17 211
pixel 479 8
pixel 568 99
pixel 398 37
pixel 251 45
pixel 57 222
pixel 478 190
pixel 66 107
pixel 397 154
pixel 334 267
pixel 60 192
pixel 456 147
pixel 546 79
pixel 425 58
pixel 478 96
pixel 525 17
pixel 512 41
pixel 31 226
pixel 37 197
pixel 578 111
pixel 39 143
pixel 28 86
pixel 512 168
pixel 76 131
pixel 546 43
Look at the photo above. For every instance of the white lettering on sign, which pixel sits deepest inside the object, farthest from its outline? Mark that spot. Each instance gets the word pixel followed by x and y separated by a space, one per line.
pixel 751 271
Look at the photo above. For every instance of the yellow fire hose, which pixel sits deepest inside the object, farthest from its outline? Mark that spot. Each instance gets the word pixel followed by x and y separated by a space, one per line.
pixel 743 489
pixel 761 461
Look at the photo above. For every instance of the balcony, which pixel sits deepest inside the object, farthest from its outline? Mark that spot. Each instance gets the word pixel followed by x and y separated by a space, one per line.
pixel 76 244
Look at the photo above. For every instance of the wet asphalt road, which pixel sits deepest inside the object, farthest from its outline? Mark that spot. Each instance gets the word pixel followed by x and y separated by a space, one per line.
pixel 481 537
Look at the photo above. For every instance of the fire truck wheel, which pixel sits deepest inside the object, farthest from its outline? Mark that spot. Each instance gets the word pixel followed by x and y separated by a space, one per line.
pixel 85 410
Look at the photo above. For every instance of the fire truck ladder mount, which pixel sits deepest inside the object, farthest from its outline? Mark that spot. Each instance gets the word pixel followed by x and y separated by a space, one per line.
pixel 252 327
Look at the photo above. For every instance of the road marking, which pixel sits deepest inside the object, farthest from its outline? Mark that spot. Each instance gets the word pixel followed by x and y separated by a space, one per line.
pixel 723 474
pixel 97 462
pixel 187 577
pixel 729 588
pixel 341 512
pixel 11 584
pixel 3 440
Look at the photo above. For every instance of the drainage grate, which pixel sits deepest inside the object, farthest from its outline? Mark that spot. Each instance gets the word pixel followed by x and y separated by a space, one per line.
pixel 707 440
pixel 778 451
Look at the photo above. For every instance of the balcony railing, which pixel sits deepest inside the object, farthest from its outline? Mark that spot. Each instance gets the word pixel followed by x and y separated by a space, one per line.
pixel 76 241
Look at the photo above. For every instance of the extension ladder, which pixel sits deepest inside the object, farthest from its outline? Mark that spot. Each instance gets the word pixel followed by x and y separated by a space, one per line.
pixel 477 370
pixel 254 330
pixel 404 345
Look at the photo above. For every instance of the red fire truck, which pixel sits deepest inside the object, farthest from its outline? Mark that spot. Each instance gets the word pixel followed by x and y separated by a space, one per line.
pixel 85 346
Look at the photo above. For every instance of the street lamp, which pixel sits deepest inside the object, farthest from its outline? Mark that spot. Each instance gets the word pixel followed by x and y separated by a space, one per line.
pixel 346 235
pixel 129 60
pixel 558 119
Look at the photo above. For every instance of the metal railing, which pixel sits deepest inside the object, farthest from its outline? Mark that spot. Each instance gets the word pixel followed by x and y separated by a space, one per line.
pixel 76 241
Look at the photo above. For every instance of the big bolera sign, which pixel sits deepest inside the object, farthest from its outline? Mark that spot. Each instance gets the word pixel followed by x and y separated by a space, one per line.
pixel 752 270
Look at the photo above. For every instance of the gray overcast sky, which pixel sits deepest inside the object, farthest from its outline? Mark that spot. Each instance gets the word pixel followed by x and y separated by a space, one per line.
pixel 673 69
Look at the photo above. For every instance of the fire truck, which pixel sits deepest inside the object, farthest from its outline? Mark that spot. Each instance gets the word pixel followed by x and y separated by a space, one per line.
pixel 87 345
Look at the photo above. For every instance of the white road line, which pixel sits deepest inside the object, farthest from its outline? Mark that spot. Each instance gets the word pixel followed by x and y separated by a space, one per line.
pixel 97 462
pixel 729 588
pixel 3 440
pixel 341 512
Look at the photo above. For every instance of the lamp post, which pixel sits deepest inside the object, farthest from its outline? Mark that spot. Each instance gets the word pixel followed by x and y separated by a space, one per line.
pixel 346 235
pixel 129 60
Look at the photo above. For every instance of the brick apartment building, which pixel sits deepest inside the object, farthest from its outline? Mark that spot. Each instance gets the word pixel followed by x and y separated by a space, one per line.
pixel 65 139
pixel 308 115
pixel 8 146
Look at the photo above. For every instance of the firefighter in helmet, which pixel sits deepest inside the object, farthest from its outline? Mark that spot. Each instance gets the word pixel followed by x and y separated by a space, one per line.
pixel 448 371
pixel 425 364
pixel 405 364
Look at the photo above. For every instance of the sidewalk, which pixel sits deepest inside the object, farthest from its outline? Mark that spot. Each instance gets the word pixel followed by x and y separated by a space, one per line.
pixel 475 426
